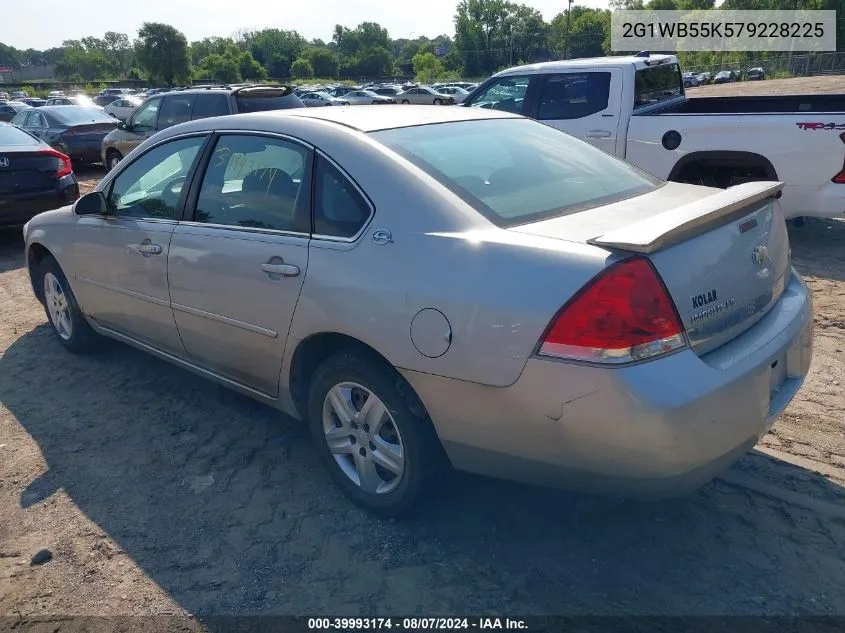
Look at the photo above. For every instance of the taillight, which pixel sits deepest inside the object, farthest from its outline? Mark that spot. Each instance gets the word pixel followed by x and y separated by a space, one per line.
pixel 623 314
pixel 64 167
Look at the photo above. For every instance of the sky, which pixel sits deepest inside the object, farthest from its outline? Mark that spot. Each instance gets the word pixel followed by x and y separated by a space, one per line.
pixel 59 20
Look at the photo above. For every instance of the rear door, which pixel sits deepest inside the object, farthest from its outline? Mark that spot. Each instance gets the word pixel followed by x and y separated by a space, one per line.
pixel 584 103
pixel 238 260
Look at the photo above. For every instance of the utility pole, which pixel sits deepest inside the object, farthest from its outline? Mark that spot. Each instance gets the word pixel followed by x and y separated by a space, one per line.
pixel 566 35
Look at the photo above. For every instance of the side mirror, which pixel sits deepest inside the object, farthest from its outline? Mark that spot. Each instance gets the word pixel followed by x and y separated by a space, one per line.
pixel 93 203
pixel 122 125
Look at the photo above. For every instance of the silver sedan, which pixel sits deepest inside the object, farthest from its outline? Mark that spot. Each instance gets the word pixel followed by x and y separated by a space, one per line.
pixel 434 286
pixel 367 97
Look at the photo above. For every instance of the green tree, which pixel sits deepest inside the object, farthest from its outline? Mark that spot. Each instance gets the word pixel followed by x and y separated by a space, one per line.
pixel 250 68
pixel 162 52
pixel 364 51
pixel 222 68
pixel 301 69
pixel 662 5
pixel 119 51
pixel 323 61
pixel 275 49
pixel 212 46
pixel 427 67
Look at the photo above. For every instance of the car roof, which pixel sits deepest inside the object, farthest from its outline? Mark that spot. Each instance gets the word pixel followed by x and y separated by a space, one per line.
pixel 224 90
pixel 588 62
pixel 374 118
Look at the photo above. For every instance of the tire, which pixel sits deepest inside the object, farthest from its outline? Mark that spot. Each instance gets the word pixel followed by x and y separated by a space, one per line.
pixel 405 102
pixel 375 102
pixel 438 102
pixel 63 313
pixel 403 428
pixel 113 157
pixel 687 84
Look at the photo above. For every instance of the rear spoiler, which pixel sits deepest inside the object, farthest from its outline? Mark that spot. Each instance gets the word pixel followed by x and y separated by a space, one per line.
pixel 677 225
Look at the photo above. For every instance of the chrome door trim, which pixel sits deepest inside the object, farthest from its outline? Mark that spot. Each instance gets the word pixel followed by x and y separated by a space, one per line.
pixel 124 291
pixel 249 327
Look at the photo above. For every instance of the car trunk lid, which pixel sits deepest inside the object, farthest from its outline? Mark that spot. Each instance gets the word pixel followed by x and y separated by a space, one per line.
pixel 90 132
pixel 27 172
pixel 723 255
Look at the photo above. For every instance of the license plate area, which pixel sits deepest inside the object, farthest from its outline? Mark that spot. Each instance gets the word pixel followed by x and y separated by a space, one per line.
pixel 777 375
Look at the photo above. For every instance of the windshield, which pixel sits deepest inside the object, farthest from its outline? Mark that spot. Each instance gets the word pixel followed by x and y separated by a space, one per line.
pixel 78 115
pixel 657 83
pixel 82 101
pixel 516 171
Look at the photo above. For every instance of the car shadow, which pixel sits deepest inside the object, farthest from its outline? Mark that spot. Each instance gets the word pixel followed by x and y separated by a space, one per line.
pixel 11 249
pixel 817 248
pixel 222 502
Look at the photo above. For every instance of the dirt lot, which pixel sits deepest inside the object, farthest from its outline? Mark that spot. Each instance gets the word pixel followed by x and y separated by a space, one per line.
pixel 159 493
pixel 794 86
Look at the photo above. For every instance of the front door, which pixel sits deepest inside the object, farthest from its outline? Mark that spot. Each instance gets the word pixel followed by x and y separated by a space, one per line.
pixel 120 261
pixel 583 103
pixel 237 264
pixel 139 127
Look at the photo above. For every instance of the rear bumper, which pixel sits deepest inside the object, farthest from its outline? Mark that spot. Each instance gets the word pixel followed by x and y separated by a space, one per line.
pixel 658 428
pixel 19 209
pixel 825 201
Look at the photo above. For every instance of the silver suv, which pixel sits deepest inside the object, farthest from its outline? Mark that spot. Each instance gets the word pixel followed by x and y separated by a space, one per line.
pixel 169 108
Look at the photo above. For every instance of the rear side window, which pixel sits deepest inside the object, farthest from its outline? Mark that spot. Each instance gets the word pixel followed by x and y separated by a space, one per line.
pixel 210 105
pixel 505 93
pixel 13 136
pixel 657 83
pixel 573 95
pixel 339 209
pixel 268 99
pixel 514 171
pixel 175 109
pixel 19 119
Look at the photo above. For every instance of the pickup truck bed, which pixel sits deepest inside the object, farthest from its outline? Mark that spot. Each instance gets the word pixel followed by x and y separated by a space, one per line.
pixel 793 104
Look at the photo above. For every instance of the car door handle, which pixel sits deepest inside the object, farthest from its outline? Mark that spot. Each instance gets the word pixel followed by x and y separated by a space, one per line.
pixel 598 134
pixel 285 270
pixel 149 249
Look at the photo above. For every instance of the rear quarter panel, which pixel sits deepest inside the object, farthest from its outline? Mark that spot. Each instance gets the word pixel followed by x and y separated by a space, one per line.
pixel 499 289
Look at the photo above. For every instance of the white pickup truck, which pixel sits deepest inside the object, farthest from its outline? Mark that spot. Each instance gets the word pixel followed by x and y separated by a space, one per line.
pixel 635 107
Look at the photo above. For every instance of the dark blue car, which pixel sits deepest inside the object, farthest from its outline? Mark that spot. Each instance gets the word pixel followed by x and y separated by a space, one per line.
pixel 76 131
pixel 33 177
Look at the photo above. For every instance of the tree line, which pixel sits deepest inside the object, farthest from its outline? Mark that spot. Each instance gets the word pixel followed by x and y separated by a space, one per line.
pixel 489 35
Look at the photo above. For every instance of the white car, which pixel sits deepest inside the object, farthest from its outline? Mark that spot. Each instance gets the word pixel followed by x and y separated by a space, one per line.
pixel 635 107
pixel 424 95
pixel 456 92
pixel 366 97
pixel 121 108
pixel 317 99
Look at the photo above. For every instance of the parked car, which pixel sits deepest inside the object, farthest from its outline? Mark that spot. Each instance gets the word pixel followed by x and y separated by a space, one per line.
pixel 19 94
pixel 387 91
pixel 424 95
pixel 615 378
pixel 56 93
pixel 342 91
pixel 690 80
pixel 319 99
pixel 705 78
pixel 456 92
pixel 34 102
pixel 366 97
pixel 755 74
pixel 104 100
pixel 166 109
pixel 634 107
pixel 4 96
pixel 725 77
pixel 121 108
pixel 33 177
pixel 9 109
pixel 76 131
pixel 75 100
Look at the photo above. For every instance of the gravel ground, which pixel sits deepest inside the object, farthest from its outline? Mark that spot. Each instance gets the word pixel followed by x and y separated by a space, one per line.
pixel 157 492
pixel 796 86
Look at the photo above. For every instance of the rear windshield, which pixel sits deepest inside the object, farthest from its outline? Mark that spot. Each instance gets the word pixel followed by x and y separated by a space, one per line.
pixel 78 115
pixel 263 100
pixel 516 171
pixel 10 135
pixel 656 84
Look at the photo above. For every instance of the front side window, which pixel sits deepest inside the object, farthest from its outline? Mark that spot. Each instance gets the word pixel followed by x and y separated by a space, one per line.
pixel 175 109
pixel 657 83
pixel 339 209
pixel 515 171
pixel 505 93
pixel 149 187
pixel 256 182
pixel 573 95
pixel 144 119
pixel 19 119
